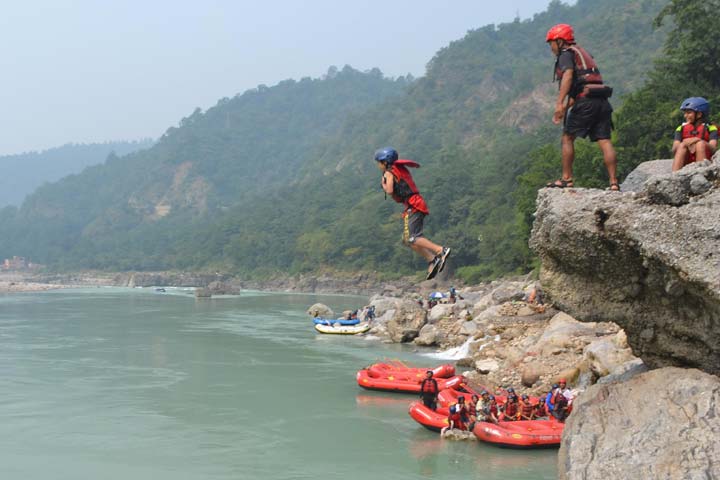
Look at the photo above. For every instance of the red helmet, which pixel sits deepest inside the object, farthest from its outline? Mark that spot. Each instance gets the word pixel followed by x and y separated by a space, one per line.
pixel 561 31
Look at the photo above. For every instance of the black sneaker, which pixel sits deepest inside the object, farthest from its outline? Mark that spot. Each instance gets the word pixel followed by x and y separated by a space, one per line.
pixel 433 267
pixel 443 257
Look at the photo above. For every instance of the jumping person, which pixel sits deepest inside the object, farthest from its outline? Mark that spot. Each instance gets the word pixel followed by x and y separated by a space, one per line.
pixel 696 139
pixel 582 103
pixel 398 183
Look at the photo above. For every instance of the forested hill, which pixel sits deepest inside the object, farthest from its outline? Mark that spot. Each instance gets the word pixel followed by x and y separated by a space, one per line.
pixel 249 144
pixel 281 179
pixel 23 173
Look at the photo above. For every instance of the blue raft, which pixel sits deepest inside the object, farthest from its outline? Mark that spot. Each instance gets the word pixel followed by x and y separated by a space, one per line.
pixel 336 321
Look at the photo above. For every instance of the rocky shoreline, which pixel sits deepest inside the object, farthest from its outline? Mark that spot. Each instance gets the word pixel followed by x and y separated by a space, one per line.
pixel 500 340
pixel 217 284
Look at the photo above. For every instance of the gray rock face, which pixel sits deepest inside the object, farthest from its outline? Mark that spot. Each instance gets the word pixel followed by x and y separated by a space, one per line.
pixel 649 262
pixel 679 187
pixel 634 182
pixel 660 424
pixel 406 322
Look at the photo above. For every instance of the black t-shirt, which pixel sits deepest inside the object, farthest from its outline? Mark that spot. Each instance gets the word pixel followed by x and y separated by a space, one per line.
pixel 566 60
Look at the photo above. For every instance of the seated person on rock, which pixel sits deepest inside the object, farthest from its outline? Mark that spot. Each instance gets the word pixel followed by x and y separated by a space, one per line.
pixel 534 299
pixel 457 416
pixel 527 409
pixel 696 139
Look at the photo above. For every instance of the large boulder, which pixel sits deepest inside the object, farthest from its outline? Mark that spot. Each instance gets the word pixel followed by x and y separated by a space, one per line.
pixel 637 178
pixel 648 261
pixel 428 335
pixel 406 322
pixel 320 310
pixel 440 311
pixel 660 424
pixel 561 333
pixel 608 354
pixel 382 304
pixel 508 291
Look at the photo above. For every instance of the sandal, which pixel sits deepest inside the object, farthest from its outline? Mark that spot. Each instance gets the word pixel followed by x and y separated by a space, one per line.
pixel 614 187
pixel 561 183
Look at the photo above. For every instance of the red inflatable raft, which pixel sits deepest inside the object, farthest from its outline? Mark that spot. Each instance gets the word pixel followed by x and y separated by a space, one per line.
pixel 400 381
pixel 441 371
pixel 518 434
pixel 521 433
pixel 434 420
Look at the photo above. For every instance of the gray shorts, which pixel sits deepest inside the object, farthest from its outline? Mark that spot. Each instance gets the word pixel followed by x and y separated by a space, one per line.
pixel 414 226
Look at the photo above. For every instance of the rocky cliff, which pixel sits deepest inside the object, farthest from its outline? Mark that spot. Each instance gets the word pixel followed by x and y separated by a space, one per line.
pixel 648 260
pixel 618 431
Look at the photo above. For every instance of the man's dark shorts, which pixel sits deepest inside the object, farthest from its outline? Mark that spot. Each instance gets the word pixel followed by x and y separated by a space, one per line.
pixel 589 116
pixel 415 225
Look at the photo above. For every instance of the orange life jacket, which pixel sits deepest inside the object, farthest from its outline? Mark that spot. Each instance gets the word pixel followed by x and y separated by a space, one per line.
pixel 526 409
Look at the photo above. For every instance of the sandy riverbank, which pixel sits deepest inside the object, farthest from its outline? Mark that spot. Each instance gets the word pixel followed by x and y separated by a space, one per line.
pixel 21 286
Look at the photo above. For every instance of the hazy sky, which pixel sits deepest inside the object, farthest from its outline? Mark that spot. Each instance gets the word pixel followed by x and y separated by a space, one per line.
pixel 89 71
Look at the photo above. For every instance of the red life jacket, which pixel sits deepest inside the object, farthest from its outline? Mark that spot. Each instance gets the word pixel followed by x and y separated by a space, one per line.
pixel 511 409
pixel 586 70
pixel 540 410
pixel 691 131
pixel 457 419
pixel 404 189
pixel 429 385
pixel 526 409
pixel 558 399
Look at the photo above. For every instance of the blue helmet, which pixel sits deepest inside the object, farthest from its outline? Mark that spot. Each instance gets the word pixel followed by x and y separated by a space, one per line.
pixel 696 104
pixel 387 154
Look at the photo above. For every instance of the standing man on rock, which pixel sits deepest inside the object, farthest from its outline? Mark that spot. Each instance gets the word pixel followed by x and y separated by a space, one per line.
pixel 582 103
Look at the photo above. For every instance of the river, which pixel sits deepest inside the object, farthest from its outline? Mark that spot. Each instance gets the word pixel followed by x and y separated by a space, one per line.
pixel 110 383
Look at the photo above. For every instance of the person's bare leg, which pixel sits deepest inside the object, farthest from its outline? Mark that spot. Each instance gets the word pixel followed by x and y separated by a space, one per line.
pixel 567 143
pixel 424 252
pixel 681 155
pixel 701 151
pixel 610 159
pixel 422 243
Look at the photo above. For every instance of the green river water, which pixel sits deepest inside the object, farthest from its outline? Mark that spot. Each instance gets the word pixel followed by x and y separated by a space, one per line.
pixel 112 383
